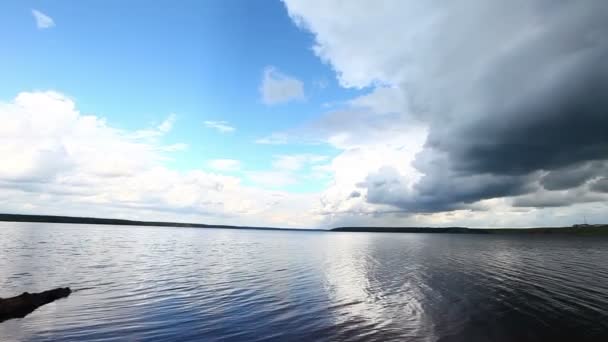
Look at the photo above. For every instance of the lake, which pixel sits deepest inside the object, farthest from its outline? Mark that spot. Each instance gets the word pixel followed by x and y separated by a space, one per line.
pixel 157 283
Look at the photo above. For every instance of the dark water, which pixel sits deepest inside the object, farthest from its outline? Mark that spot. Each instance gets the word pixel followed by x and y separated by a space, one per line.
pixel 143 283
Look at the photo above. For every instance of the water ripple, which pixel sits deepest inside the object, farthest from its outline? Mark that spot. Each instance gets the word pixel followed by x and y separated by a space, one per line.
pixel 159 283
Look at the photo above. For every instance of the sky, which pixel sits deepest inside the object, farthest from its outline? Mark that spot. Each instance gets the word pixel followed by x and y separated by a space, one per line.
pixel 306 113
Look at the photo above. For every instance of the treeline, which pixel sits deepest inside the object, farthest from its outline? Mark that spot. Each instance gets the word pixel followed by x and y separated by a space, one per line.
pixel 118 222
pixel 578 230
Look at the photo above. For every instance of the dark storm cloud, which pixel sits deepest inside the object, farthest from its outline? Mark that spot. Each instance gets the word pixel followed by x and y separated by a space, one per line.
pixel 572 176
pixel 561 126
pixel 600 185
pixel 557 198
pixel 541 108
pixel 441 190
pixel 514 95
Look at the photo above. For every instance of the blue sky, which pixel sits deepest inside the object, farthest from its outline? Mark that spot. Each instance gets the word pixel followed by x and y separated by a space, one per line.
pixel 306 113
pixel 135 63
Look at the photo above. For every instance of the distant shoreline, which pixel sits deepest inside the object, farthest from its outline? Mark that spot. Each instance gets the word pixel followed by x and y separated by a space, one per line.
pixel 122 222
pixel 600 229
pixel 573 230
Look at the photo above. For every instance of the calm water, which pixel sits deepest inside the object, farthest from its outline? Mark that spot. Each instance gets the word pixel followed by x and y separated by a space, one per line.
pixel 142 283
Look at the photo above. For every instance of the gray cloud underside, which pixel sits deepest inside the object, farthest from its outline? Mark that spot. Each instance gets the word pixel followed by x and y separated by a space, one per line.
pixel 600 185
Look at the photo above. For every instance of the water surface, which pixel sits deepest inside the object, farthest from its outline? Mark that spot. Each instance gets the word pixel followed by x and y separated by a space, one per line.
pixel 153 283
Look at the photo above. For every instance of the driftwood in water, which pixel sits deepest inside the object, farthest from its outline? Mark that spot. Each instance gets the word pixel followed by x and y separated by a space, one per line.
pixel 25 303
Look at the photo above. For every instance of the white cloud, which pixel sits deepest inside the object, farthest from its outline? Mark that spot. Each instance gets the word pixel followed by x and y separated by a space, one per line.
pixel 158 131
pixel 278 88
pixel 174 147
pixel 295 162
pixel 166 125
pixel 43 21
pixel 382 100
pixel 220 126
pixel 353 167
pixel 225 164
pixel 59 161
pixel 288 170
pixel 272 179
pixel 273 139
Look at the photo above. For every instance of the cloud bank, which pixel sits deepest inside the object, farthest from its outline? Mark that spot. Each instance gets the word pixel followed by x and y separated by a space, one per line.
pixel 512 96
pixel 60 161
